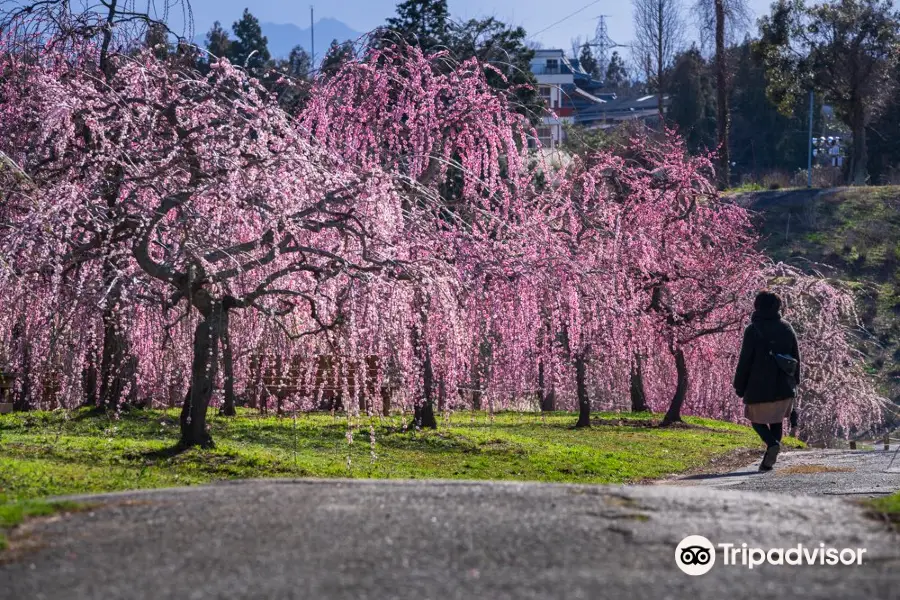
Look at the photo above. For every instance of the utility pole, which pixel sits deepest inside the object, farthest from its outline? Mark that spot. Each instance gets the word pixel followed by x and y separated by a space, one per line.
pixel 809 158
pixel 312 39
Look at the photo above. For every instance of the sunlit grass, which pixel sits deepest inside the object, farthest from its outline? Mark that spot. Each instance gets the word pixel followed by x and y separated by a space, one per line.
pixel 889 506
pixel 13 512
pixel 51 454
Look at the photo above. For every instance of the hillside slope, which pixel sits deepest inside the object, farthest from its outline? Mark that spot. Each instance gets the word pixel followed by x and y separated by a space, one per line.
pixel 851 234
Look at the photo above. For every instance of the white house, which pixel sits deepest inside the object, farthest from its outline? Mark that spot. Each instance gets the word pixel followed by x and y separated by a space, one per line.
pixel 554 73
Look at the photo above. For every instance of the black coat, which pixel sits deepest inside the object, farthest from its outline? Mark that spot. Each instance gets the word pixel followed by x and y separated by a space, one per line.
pixel 757 377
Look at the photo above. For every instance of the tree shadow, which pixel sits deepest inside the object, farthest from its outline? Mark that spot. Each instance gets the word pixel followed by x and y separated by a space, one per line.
pixel 166 453
pixel 704 476
pixel 89 412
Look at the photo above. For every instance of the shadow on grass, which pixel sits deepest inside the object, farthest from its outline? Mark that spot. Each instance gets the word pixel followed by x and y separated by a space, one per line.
pixel 166 453
pixel 719 475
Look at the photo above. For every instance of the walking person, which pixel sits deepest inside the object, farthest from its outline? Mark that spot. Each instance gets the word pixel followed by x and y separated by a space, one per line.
pixel 768 373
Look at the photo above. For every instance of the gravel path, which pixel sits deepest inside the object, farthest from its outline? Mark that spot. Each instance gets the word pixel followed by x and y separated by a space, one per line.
pixel 859 473
pixel 313 540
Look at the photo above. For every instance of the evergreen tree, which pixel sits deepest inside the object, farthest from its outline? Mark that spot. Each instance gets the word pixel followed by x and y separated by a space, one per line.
pixel 217 41
pixel 298 64
pixel 337 54
pixel 289 79
pixel 616 74
pixel 588 62
pixel 503 47
pixel 424 23
pixel 693 108
pixel 157 39
pixel 762 138
pixel 250 50
pixel 884 142
pixel 848 50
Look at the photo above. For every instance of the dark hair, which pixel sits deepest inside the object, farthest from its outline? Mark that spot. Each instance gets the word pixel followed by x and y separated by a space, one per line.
pixel 767 302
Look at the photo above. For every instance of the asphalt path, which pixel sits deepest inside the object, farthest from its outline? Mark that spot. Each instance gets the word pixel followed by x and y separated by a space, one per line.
pixel 312 539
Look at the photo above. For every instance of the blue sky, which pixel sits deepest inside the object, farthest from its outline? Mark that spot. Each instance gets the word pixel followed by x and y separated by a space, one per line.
pixel 364 15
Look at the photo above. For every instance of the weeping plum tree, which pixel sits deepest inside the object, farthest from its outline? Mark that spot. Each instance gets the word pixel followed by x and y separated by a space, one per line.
pixel 222 204
pixel 836 398
pixel 441 126
pixel 663 258
pixel 96 31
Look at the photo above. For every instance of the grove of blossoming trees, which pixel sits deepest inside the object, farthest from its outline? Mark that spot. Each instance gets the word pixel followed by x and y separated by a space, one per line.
pixel 402 216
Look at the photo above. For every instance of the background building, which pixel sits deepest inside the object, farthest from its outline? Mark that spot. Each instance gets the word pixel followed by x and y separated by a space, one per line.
pixel 572 96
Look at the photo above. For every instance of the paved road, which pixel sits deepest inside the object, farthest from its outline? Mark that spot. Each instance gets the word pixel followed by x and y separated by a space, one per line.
pixel 851 473
pixel 441 540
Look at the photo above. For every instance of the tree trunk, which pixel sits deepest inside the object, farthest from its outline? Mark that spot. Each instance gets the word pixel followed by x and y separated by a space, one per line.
pixel 476 395
pixel 859 154
pixel 112 360
pixel 584 403
pixel 423 415
pixel 547 398
pixel 722 116
pixel 424 411
pixel 638 398
pixel 228 405
pixel 442 395
pixel 476 384
pixel 482 372
pixel 385 401
pixel 21 399
pixel 90 382
pixel 204 368
pixel 660 70
pixel 673 415
pixel 107 38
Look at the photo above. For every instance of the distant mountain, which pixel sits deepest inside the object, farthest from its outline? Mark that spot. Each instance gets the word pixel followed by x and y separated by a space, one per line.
pixel 284 36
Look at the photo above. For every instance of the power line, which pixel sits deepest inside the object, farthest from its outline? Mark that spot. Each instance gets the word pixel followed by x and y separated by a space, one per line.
pixel 566 18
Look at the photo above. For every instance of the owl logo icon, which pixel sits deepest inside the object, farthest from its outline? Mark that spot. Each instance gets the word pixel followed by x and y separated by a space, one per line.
pixel 695 555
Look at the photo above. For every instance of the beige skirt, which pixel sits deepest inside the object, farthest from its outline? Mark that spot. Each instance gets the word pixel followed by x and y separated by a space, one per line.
pixel 769 412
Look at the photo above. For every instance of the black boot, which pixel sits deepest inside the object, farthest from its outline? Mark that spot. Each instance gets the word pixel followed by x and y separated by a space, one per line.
pixel 770 457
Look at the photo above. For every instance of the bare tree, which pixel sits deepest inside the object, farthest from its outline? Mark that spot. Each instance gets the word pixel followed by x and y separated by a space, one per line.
pixel 737 22
pixel 577 42
pixel 721 20
pixel 111 25
pixel 658 28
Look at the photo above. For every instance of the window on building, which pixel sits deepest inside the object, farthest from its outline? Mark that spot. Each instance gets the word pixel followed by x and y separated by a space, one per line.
pixel 545 91
pixel 545 136
pixel 552 65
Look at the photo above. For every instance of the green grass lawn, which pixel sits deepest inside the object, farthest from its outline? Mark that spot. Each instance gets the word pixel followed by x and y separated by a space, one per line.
pixel 13 512
pixel 889 506
pixel 47 454
pixel 56 453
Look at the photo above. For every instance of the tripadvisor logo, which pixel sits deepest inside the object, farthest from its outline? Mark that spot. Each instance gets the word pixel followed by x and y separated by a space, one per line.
pixel 696 555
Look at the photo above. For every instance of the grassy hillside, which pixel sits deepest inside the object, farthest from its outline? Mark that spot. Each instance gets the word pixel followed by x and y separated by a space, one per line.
pixel 851 234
